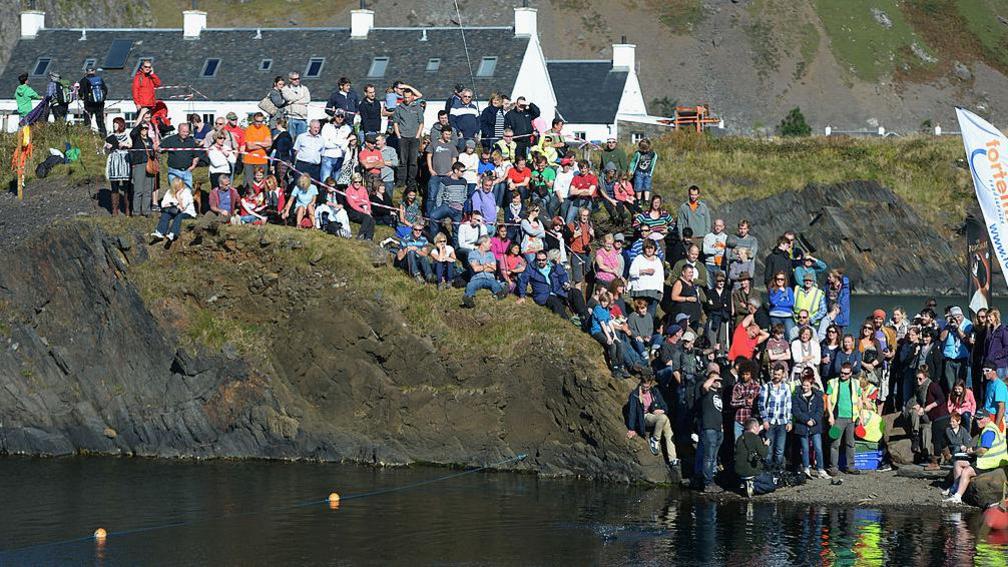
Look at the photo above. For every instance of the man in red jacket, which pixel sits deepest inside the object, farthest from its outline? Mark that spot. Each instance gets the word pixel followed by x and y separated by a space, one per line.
pixel 145 83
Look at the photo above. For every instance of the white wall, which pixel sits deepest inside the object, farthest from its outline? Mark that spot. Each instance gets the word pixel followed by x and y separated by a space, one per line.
pixel 533 81
pixel 593 132
pixel 632 99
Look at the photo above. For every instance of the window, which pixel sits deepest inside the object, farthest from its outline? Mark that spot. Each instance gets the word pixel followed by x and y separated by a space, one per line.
pixel 210 68
pixel 636 137
pixel 208 118
pixel 89 62
pixel 141 62
pixel 118 53
pixel 265 64
pixel 433 64
pixel 486 67
pixel 130 118
pixel 378 66
pixel 579 136
pixel 41 66
pixel 314 68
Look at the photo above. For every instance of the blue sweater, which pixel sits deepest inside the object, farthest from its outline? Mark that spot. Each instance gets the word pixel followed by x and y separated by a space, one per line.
pixel 541 287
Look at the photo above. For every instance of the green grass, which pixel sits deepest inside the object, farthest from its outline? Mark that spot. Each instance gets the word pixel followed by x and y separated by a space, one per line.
pixel 92 157
pixel 861 43
pixel 981 18
pixel 679 16
pixel 921 170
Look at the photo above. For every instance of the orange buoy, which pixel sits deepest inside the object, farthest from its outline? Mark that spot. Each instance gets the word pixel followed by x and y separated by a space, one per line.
pixel 996 517
pixel 100 534
pixel 333 500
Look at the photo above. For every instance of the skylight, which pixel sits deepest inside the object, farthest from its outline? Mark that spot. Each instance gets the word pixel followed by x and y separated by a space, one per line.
pixel 41 66
pixel 265 64
pixel 210 68
pixel 378 66
pixel 486 67
pixel 117 53
pixel 433 64
pixel 89 62
pixel 314 68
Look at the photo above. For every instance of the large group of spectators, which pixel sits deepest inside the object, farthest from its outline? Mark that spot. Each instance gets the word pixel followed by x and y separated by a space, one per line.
pixel 482 199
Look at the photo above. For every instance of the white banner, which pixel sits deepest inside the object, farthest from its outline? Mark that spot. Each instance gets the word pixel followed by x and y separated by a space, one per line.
pixel 987 153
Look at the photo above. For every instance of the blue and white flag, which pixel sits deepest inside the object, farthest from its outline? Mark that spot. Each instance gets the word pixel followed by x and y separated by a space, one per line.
pixel 987 154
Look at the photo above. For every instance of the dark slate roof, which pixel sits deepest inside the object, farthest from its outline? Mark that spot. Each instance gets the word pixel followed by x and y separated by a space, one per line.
pixel 588 92
pixel 179 61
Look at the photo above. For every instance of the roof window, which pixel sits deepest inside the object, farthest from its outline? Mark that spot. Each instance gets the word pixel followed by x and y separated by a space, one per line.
pixel 314 68
pixel 433 64
pixel 210 67
pixel 89 63
pixel 486 67
pixel 41 66
pixel 265 64
pixel 378 66
pixel 117 54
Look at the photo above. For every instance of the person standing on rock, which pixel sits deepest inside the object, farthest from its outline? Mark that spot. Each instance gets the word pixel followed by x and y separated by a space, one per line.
pixel 711 430
pixel 838 291
pixel 779 260
pixel 742 248
pixel 843 405
pixel 694 213
pixel 647 410
pixel 991 453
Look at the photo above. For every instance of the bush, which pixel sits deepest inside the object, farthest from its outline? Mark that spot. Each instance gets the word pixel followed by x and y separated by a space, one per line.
pixel 794 124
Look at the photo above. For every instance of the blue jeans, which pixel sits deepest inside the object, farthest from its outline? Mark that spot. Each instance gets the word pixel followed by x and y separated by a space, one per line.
pixel 710 443
pixel 297 126
pixel 482 281
pixel 788 323
pixel 440 213
pixel 433 188
pixel 417 264
pixel 328 166
pixel 175 223
pixel 498 193
pixel 183 174
pixel 575 205
pixel 444 271
pixel 817 446
pixel 641 182
pixel 777 434
pixel 739 429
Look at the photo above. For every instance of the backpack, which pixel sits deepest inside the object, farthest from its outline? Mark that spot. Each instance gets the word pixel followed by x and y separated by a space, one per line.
pixel 95 94
pixel 61 97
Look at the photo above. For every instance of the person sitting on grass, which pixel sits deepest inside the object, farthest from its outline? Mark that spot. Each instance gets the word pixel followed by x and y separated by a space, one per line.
pixel 647 410
pixel 512 266
pixel 224 200
pixel 176 206
pixel 331 217
pixel 443 257
pixel 359 207
pixel 483 266
pixel 253 205
pixel 302 198
pixel 412 256
pixel 991 452
pixel 549 282
pixel 750 455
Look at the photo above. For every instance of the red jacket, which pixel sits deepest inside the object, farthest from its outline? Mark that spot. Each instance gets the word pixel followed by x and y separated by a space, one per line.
pixel 143 89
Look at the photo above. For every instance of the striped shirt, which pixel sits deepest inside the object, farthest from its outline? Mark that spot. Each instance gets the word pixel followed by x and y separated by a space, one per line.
pixel 664 221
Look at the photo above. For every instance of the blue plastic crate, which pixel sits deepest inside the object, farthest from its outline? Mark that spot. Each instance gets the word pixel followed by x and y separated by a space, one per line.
pixel 867 461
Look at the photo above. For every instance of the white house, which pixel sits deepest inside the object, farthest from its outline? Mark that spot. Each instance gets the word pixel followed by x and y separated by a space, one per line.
pixel 213 71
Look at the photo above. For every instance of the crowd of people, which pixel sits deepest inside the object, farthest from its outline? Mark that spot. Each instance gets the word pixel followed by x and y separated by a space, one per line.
pixel 488 200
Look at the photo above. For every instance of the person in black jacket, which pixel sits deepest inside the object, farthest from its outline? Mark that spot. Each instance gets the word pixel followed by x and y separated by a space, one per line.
pixel 779 260
pixel 519 120
pixel 93 91
pixel 648 410
pixel 807 410
pixel 750 459
pixel 489 118
pixel 717 304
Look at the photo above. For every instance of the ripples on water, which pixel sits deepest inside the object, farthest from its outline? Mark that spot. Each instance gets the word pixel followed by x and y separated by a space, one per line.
pixel 478 519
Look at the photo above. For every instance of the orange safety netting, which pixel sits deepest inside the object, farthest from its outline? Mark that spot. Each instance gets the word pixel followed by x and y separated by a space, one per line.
pixel 19 160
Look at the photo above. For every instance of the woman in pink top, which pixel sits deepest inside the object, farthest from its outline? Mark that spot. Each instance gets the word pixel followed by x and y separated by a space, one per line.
pixel 511 266
pixel 608 261
pixel 499 243
pixel 961 400
pixel 626 199
pixel 359 207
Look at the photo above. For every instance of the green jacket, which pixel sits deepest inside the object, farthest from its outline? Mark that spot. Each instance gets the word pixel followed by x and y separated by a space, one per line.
pixel 750 453
pixel 24 95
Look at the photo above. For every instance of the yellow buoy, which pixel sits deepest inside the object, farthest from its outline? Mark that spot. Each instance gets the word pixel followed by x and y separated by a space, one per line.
pixel 100 534
pixel 333 497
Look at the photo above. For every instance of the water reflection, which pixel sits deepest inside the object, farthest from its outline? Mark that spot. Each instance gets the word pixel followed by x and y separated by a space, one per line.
pixel 496 519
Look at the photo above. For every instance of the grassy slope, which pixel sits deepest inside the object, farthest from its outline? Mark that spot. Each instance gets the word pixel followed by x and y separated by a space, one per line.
pixel 981 18
pixel 191 275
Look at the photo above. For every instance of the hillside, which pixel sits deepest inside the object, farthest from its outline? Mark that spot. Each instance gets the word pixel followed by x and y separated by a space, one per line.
pixel 855 64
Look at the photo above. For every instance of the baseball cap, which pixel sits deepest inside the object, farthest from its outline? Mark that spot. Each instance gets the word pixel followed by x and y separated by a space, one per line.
pixel 566 161
pixel 232 116
pixel 981 413
pixel 989 366
pixel 681 317
pixel 956 310
pixel 878 313
pixel 689 336
pixel 809 277
pixel 619 236
pixel 470 144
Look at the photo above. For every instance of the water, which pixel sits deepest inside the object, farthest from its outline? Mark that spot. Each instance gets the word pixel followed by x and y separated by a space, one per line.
pixel 238 513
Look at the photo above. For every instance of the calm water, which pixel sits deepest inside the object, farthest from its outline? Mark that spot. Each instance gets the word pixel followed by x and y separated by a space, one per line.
pixel 231 515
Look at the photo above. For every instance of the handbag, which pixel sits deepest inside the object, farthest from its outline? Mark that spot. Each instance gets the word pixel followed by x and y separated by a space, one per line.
pixel 153 166
pixel 267 106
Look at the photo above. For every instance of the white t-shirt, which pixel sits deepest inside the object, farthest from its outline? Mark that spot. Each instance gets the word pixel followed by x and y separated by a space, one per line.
pixel 562 183
pixel 471 161
pixel 448 251
pixel 653 282
pixel 335 139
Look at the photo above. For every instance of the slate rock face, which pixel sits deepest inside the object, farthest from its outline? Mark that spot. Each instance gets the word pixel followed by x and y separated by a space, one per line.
pixel 87 366
pixel 884 246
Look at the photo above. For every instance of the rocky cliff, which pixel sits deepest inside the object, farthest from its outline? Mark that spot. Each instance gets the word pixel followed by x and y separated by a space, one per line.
pixel 244 343
pixel 882 243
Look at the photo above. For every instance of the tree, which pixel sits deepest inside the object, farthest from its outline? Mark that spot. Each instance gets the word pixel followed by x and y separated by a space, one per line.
pixel 794 124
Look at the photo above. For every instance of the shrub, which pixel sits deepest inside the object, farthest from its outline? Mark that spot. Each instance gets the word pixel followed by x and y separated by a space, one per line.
pixel 794 124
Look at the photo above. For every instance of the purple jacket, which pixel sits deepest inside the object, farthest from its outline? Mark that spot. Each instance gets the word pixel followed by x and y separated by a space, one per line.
pixel 997 347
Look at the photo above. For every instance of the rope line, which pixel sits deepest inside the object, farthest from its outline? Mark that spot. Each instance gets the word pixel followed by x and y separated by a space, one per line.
pixel 293 506
pixel 465 46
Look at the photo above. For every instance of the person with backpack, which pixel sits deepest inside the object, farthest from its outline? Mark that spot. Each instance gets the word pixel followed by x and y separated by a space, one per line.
pixel 58 92
pixel 92 92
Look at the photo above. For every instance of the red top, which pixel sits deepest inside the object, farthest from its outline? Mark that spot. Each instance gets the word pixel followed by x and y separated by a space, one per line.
pixel 357 199
pixel 584 183
pixel 623 191
pixel 366 155
pixel 741 344
pixel 517 176
pixel 143 89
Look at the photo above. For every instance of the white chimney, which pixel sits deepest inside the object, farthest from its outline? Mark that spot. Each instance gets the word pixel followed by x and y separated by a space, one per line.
pixel 31 22
pixel 361 22
pixel 525 21
pixel 193 22
pixel 623 56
